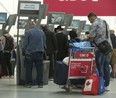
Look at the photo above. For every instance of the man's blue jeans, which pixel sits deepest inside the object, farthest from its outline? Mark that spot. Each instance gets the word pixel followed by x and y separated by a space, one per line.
pixel 102 64
pixel 34 59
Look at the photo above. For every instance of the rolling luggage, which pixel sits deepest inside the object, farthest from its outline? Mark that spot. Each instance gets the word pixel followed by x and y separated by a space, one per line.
pixel 60 73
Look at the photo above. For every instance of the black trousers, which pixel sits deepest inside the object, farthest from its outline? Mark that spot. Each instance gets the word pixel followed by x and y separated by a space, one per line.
pixel 1 63
pixel 51 66
pixel 7 68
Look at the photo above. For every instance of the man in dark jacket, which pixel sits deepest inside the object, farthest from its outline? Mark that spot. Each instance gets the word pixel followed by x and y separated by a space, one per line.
pixel 51 48
pixel 62 42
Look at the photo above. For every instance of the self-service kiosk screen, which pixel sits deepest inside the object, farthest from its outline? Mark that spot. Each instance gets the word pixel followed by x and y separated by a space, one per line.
pixel 3 17
pixel 82 24
pixel 87 27
pixel 56 18
pixel 22 23
pixel 75 24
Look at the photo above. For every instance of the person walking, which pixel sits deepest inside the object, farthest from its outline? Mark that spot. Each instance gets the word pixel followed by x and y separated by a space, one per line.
pixel 34 43
pixel 98 35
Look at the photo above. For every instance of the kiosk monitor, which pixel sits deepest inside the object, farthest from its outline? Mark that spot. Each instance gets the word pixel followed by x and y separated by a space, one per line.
pixel 56 18
pixel 75 24
pixel 82 24
pixel 87 27
pixel 3 17
pixel 22 23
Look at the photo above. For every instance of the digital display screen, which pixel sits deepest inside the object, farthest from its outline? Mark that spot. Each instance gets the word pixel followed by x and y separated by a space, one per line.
pixel 75 24
pixel 82 24
pixel 56 18
pixel 87 27
pixel 3 17
pixel 22 23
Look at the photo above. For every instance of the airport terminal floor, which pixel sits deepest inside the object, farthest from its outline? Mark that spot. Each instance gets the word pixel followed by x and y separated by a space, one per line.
pixel 9 89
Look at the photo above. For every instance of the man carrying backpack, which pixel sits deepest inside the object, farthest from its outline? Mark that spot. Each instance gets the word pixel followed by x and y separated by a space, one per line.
pixel 8 47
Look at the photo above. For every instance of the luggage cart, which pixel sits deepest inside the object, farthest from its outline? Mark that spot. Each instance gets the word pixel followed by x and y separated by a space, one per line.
pixel 81 62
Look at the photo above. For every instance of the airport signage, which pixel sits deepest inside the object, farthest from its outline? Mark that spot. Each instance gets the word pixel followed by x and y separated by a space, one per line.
pixel 83 7
pixel 29 8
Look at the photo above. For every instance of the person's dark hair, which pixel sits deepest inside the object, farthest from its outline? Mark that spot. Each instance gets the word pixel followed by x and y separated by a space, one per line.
pixel 72 34
pixel 92 14
pixel 87 32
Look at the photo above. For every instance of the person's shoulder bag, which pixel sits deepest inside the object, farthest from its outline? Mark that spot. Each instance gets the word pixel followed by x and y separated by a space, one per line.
pixel 104 46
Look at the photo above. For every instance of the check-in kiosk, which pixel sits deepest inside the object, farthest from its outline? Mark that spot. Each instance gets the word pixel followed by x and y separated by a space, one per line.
pixel 27 11
pixel 79 26
pixel 59 18
pixel 74 24
pixel 10 22
pixel 87 27
pixel 68 20
pixel 55 18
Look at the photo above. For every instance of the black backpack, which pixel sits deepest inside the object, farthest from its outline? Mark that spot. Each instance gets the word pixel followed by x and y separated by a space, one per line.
pixel 9 44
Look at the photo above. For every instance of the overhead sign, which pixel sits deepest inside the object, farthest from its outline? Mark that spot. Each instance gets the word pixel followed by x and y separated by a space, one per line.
pixel 83 7
pixel 29 8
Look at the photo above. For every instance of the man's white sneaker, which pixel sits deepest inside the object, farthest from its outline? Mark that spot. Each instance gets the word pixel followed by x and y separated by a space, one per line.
pixel 107 88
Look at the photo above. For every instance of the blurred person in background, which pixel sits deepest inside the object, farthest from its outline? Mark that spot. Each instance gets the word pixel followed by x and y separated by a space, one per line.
pixel 1 56
pixel 8 42
pixel 113 58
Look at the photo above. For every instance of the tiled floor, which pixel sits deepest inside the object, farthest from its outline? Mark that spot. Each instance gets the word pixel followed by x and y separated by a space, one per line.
pixel 9 89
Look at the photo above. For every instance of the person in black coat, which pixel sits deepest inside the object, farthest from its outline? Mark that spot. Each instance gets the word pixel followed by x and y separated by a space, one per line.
pixel 51 48
pixel 62 42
